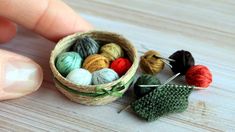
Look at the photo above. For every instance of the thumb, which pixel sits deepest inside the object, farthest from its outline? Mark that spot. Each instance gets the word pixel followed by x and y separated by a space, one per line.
pixel 52 19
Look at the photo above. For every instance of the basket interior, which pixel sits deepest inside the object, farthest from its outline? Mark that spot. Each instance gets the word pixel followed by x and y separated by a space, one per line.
pixel 102 38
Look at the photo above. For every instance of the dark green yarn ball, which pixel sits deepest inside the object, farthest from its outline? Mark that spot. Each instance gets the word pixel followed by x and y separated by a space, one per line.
pixel 145 79
pixel 86 46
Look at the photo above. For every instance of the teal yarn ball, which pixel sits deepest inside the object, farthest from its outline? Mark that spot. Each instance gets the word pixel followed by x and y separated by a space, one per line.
pixel 103 76
pixel 145 79
pixel 68 61
pixel 80 76
pixel 86 46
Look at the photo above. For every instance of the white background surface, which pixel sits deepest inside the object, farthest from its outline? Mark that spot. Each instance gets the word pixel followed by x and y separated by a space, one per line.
pixel 206 28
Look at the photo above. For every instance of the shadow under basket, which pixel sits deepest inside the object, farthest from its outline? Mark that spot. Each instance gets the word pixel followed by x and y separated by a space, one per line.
pixel 95 94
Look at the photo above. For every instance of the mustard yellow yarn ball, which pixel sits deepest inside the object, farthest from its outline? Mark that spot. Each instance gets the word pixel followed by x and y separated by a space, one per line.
pixel 151 64
pixel 111 51
pixel 95 62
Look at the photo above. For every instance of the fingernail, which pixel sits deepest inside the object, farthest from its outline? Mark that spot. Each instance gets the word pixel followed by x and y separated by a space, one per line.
pixel 19 75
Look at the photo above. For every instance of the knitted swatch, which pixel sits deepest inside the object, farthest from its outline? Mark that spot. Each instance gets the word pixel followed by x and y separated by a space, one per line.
pixel 168 99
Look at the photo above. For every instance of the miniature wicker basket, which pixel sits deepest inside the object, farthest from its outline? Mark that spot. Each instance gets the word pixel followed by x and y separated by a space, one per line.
pixel 94 94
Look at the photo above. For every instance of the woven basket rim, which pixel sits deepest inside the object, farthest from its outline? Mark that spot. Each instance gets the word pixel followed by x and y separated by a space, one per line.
pixel 74 86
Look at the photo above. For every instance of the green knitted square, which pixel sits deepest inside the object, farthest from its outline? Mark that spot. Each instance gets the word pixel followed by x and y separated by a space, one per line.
pixel 170 98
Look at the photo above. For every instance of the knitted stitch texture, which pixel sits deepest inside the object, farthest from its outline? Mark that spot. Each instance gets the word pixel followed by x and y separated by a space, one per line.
pixel 168 99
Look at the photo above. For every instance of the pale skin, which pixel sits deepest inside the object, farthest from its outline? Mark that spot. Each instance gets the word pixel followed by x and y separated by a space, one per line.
pixel 52 19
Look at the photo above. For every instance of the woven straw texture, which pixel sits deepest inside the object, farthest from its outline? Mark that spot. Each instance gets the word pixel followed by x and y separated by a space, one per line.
pixel 94 94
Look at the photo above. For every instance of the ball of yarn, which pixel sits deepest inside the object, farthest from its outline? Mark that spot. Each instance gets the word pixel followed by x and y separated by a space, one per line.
pixel 111 51
pixel 80 76
pixel 121 66
pixel 151 64
pixel 95 62
pixel 199 76
pixel 103 76
pixel 68 61
pixel 145 79
pixel 183 61
pixel 86 46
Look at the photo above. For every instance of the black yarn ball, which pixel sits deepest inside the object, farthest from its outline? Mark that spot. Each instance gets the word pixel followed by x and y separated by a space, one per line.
pixel 86 46
pixel 145 79
pixel 183 61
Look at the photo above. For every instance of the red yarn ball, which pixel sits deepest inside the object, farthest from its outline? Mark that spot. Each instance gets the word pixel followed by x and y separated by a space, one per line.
pixel 199 76
pixel 121 66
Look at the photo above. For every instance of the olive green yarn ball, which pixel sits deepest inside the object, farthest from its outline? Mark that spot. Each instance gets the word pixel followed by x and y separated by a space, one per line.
pixel 86 46
pixel 67 62
pixel 111 51
pixel 145 79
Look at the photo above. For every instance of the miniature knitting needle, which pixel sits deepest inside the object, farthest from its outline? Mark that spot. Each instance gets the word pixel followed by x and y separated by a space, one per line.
pixel 159 86
pixel 158 56
pixel 164 58
pixel 143 86
pixel 169 80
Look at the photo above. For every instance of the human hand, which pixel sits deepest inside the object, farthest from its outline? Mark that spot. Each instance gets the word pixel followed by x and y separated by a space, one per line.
pixel 52 19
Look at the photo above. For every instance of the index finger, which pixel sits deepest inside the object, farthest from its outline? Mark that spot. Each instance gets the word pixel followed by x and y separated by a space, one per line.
pixel 52 19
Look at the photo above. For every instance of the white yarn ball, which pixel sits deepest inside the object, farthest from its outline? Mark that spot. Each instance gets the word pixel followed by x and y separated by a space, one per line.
pixel 80 76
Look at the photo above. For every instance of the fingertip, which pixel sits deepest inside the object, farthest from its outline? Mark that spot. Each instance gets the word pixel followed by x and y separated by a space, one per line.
pixel 52 19
pixel 59 20
pixel 7 30
pixel 80 25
